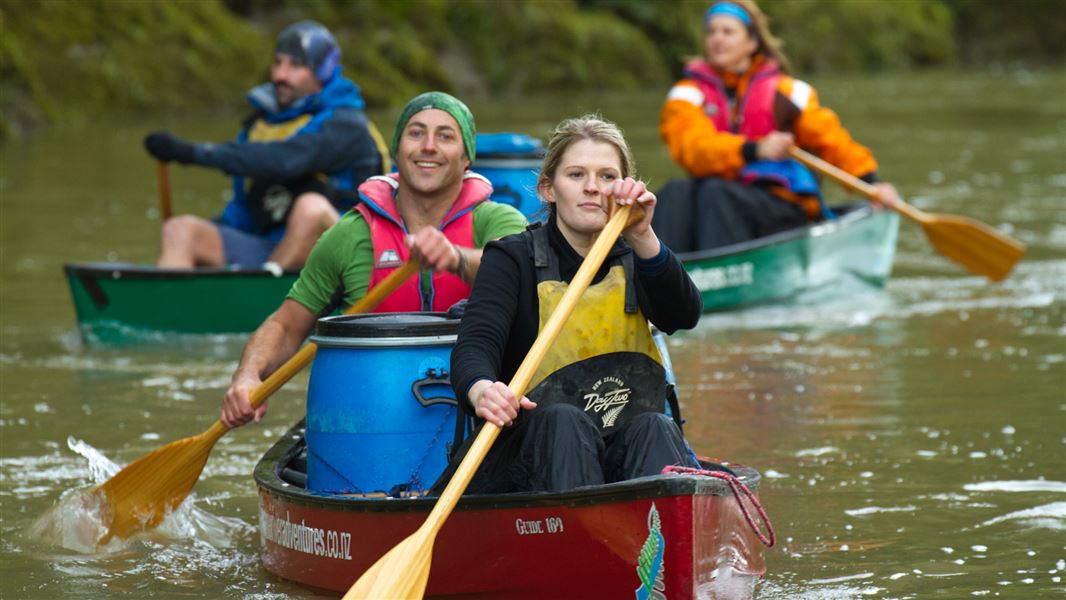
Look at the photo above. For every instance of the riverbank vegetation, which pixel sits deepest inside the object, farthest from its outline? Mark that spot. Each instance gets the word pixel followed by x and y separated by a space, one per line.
pixel 66 60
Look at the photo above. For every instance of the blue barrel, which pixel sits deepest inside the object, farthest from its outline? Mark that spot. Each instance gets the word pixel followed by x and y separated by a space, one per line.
pixel 380 406
pixel 511 161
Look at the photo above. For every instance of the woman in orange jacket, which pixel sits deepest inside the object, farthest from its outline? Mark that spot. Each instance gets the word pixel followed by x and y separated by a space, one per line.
pixel 730 123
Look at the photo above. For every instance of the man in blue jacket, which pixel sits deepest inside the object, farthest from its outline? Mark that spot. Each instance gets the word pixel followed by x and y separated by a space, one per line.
pixel 296 162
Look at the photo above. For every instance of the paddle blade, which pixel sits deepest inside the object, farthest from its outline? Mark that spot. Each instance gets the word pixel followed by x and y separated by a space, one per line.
pixel 972 244
pixel 139 496
pixel 401 573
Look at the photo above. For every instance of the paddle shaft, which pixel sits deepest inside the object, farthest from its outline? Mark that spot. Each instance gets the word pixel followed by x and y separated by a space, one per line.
pixel 164 191
pixel 852 183
pixel 385 585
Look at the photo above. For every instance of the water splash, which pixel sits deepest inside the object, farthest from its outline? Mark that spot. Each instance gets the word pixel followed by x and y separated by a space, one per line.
pixel 727 582
pixel 76 522
pixel 100 467
pixel 79 519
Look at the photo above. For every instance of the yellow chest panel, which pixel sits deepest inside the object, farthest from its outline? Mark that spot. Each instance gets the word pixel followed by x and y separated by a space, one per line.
pixel 598 325
pixel 262 131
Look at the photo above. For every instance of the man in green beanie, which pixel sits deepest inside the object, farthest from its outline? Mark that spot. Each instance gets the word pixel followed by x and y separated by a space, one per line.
pixel 433 211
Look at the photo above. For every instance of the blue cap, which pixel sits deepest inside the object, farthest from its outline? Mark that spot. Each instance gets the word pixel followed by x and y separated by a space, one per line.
pixel 311 45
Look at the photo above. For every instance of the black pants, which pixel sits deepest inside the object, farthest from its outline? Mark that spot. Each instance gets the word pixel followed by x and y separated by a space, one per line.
pixel 700 214
pixel 558 447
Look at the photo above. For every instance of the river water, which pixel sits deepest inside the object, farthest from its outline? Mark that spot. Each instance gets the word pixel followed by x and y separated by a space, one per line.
pixel 912 440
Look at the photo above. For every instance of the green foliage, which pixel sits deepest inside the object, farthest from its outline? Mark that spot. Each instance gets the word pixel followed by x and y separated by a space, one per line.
pixel 675 26
pixel 863 36
pixel 520 47
pixel 1010 31
pixel 65 59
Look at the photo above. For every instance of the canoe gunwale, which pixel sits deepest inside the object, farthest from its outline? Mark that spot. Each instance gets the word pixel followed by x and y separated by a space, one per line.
pixel 142 271
pixel 847 214
pixel 267 477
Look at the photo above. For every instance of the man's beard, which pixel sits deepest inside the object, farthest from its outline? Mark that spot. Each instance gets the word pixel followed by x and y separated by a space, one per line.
pixel 284 94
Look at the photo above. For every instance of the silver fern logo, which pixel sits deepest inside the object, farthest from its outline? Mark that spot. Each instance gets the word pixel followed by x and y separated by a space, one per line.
pixel 650 561
pixel 611 416
pixel 608 401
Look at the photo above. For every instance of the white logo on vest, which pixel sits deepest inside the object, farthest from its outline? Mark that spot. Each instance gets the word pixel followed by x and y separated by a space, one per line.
pixel 609 401
pixel 389 259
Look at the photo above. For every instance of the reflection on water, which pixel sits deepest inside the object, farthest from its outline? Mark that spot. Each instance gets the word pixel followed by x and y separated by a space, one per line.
pixel 907 433
pixel 911 440
pixel 1032 285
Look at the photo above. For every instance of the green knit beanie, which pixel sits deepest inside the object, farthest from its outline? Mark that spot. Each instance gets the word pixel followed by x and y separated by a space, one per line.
pixel 449 104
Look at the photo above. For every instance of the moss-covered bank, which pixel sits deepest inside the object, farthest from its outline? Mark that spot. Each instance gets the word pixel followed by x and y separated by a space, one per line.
pixel 63 60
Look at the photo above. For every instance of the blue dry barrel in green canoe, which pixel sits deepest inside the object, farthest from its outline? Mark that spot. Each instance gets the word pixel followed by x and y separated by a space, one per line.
pixel 380 407
pixel 511 161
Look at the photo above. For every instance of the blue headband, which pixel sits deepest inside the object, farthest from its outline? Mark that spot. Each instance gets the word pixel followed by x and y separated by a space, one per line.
pixel 730 9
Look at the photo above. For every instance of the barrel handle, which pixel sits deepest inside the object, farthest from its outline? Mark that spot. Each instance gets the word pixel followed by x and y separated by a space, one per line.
pixel 506 190
pixel 432 378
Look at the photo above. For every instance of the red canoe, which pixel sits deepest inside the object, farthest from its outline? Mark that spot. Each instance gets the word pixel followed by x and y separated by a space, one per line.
pixel 668 536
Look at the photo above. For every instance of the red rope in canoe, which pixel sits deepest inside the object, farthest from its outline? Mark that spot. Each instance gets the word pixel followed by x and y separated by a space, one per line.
pixel 737 486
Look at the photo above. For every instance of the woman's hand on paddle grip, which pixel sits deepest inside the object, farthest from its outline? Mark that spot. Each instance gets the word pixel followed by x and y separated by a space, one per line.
pixel 887 196
pixel 774 146
pixel 237 403
pixel 496 403
pixel 637 233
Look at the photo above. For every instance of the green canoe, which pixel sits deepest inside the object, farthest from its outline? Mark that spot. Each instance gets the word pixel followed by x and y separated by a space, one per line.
pixel 853 250
pixel 118 303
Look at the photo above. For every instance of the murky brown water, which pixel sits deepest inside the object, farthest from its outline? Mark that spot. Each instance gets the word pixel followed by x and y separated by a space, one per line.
pixel 913 441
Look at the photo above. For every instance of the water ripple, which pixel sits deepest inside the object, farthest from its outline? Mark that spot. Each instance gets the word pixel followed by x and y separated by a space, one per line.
pixel 1037 485
pixel 1050 516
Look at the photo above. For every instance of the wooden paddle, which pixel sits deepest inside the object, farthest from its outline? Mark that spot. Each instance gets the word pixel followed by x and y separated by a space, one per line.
pixel 404 570
pixel 139 496
pixel 972 244
pixel 164 191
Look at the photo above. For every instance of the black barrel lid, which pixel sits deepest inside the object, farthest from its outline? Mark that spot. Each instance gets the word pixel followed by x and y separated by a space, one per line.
pixel 532 155
pixel 387 325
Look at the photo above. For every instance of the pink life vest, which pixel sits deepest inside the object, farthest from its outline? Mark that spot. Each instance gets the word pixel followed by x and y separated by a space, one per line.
pixel 755 109
pixel 387 233
pixel 754 119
